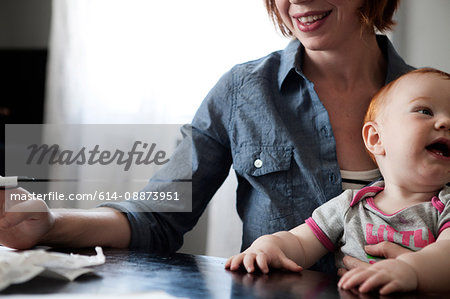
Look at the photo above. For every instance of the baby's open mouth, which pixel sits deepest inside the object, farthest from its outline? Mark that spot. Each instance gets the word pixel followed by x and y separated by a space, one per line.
pixel 440 147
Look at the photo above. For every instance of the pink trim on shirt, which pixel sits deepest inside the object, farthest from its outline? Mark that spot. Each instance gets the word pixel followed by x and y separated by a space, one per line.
pixel 361 193
pixel 320 234
pixel 438 204
pixel 445 226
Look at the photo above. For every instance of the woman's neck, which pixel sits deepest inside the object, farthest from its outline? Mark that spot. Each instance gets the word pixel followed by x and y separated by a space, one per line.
pixel 353 63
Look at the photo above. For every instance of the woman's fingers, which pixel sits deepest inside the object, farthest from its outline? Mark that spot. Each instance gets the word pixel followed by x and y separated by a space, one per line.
pixel 25 210
pixel 386 249
pixel 24 222
pixel 2 201
pixel 351 263
pixel 341 272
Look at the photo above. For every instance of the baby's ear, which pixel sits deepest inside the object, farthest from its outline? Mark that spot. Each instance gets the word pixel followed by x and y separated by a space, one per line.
pixel 372 138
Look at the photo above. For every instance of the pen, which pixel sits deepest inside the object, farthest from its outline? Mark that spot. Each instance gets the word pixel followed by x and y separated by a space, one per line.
pixel 13 181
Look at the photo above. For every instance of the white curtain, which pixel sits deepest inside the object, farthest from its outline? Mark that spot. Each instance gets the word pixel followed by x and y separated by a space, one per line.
pixel 147 61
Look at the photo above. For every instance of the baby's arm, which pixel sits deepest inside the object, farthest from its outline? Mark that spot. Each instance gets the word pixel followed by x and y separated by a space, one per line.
pixel 426 270
pixel 293 250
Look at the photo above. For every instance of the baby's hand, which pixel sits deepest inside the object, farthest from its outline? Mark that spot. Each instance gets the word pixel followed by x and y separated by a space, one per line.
pixel 265 253
pixel 388 276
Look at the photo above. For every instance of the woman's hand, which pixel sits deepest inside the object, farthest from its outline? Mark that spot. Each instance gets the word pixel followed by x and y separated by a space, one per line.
pixel 23 223
pixel 384 249
pixel 388 276
pixel 265 253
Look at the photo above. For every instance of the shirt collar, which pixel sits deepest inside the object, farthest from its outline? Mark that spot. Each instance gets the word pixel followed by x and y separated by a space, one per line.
pixel 378 186
pixel 292 55
pixel 396 66
pixel 369 191
pixel 288 60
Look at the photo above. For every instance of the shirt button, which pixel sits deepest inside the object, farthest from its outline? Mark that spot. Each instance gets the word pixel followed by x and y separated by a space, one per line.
pixel 258 163
pixel 332 178
pixel 324 131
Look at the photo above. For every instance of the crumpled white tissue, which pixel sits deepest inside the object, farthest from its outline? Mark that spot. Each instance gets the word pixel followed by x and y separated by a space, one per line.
pixel 21 266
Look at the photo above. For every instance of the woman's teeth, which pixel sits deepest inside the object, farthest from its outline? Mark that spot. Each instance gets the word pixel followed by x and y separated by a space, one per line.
pixel 311 19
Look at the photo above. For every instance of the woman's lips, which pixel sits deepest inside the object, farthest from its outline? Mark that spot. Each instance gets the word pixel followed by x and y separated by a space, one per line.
pixel 311 21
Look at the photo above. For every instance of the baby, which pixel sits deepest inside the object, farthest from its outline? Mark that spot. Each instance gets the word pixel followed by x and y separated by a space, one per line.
pixel 407 133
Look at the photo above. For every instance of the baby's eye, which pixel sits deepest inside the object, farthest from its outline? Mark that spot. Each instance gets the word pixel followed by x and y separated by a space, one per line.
pixel 425 111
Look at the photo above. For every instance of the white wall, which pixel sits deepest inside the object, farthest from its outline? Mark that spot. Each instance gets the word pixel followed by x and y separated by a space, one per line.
pixel 422 35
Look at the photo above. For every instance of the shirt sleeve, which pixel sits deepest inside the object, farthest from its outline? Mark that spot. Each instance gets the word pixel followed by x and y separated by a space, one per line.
pixel 327 221
pixel 208 142
pixel 444 215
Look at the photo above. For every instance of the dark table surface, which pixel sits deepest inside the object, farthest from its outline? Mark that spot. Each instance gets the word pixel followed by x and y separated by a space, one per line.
pixel 190 276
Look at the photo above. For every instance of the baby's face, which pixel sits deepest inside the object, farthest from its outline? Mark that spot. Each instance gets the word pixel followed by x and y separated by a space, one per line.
pixel 415 130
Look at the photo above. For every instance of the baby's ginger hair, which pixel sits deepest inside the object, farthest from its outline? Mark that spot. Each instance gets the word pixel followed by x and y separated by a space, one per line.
pixel 380 99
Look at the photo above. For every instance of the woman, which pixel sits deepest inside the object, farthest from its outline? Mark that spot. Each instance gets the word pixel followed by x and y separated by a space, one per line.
pixel 289 123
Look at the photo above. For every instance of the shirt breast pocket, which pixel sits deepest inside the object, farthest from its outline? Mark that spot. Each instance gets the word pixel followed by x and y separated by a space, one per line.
pixel 267 169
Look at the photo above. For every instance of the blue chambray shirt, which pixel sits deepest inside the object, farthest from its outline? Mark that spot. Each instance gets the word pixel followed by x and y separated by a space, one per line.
pixel 264 118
